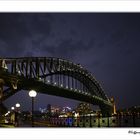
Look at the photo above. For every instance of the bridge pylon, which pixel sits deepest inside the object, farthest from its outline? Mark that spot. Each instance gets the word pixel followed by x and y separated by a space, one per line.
pixel 1 88
pixel 106 111
pixel 114 106
pixel 2 107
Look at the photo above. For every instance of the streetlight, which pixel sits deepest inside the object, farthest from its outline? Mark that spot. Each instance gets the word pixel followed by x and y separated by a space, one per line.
pixel 32 94
pixel 17 105
pixel 12 108
pixel 13 115
pixel 17 114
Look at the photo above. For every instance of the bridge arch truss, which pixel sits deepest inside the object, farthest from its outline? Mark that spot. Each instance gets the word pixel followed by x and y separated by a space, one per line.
pixel 55 76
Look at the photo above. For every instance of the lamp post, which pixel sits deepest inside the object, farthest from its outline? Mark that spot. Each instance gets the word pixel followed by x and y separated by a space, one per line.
pixel 13 115
pixel 98 115
pixel 32 94
pixel 83 120
pixel 90 120
pixel 17 114
pixel 73 118
pixel 108 120
pixel 12 108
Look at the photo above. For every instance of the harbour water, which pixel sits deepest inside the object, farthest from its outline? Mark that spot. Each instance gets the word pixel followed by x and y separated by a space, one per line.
pixel 115 121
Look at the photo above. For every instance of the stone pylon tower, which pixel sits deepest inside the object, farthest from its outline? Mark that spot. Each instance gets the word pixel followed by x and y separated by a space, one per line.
pixel 114 106
pixel 1 88
pixel 3 109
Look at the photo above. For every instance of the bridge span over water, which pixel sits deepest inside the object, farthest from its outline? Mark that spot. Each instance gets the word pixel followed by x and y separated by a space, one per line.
pixel 54 76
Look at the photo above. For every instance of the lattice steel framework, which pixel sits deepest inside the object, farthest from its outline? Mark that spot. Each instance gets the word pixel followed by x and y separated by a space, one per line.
pixel 53 76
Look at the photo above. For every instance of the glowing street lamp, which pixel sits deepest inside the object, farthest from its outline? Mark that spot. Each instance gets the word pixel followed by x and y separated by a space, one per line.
pixel 32 94
pixel 17 105
pixel 13 114
pixel 12 108
pixel 17 114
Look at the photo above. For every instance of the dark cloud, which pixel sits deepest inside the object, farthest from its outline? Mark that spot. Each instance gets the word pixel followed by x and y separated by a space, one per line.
pixel 21 33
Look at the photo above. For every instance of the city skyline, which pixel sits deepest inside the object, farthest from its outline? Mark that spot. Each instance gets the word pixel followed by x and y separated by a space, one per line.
pixel 106 44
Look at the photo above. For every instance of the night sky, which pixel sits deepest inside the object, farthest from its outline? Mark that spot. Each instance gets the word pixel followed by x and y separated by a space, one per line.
pixel 107 44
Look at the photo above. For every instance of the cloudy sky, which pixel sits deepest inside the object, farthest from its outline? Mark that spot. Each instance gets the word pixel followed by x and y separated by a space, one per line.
pixel 107 44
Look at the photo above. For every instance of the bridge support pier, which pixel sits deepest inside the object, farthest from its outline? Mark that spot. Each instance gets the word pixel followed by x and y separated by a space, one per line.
pixel 2 107
pixel 106 110
pixel 1 88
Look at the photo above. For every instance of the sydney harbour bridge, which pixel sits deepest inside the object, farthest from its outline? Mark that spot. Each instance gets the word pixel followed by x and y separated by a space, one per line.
pixel 54 76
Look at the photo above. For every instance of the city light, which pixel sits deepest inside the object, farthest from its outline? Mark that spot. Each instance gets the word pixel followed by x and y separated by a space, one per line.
pixel 76 115
pixel 7 113
pixel 19 72
pixel 62 116
pixel 40 79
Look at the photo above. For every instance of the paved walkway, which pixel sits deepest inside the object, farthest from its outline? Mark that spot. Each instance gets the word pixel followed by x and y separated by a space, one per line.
pixel 7 125
pixel 27 124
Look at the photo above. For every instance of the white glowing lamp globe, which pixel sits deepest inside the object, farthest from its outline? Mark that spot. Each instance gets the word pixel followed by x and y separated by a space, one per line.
pixel 17 105
pixel 32 93
pixel 12 108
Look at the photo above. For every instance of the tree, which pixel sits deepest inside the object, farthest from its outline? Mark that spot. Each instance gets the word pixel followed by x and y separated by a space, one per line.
pixel 83 108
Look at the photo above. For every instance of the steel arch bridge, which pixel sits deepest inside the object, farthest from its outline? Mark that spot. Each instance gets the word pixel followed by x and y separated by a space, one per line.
pixel 54 76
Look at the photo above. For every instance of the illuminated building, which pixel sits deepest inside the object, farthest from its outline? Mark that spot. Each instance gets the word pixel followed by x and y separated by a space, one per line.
pixel 83 108
pixel 55 109
pixel 66 109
